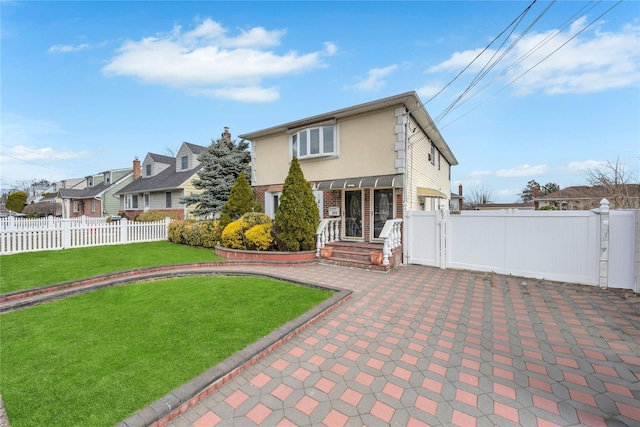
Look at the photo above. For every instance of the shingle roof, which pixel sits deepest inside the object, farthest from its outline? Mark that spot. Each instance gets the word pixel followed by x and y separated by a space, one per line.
pixel 159 158
pixel 72 193
pixel 168 179
pixel 583 192
pixel 195 149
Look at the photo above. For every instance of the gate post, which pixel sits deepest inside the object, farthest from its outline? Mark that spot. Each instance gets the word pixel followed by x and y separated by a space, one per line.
pixel 441 249
pixel 604 243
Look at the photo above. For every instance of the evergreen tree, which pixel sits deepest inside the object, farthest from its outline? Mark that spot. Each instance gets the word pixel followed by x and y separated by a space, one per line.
pixel 240 201
pixel 297 216
pixel 528 193
pixel 16 201
pixel 223 161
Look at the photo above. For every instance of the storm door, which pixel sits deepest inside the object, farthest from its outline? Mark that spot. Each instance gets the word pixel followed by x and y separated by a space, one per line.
pixel 382 209
pixel 353 214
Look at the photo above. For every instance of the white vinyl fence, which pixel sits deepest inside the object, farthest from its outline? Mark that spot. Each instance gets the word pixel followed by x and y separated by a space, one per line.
pixel 598 248
pixel 44 234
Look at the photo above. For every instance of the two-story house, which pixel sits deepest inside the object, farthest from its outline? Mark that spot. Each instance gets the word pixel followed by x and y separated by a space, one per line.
pixel 96 197
pixel 366 164
pixel 160 182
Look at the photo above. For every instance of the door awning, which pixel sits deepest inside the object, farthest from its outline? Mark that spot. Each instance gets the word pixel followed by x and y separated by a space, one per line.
pixel 394 181
pixel 430 192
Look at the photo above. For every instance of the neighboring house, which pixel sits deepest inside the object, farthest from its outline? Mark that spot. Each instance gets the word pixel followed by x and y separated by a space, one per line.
pixel 456 201
pixel 160 182
pixel 96 199
pixel 365 163
pixel 584 197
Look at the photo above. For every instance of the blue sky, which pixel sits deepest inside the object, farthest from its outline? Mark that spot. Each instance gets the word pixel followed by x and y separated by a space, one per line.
pixel 88 86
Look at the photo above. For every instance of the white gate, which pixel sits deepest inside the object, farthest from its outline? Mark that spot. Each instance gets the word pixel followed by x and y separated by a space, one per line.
pixel 554 245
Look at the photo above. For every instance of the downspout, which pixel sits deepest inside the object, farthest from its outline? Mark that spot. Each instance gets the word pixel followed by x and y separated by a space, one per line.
pixel 405 187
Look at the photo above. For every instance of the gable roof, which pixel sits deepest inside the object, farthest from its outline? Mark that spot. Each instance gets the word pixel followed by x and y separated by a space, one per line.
pixel 159 158
pixel 410 101
pixel 168 179
pixel 195 149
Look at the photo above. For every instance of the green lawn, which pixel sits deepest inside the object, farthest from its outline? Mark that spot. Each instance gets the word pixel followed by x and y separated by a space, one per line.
pixel 96 358
pixel 33 269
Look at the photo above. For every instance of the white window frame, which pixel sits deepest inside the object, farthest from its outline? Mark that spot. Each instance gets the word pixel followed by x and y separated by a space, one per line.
pixel 128 202
pixel 184 162
pixel 296 137
pixel 93 205
pixel 76 206
pixel 148 170
pixel 147 200
pixel 269 206
pixel 107 178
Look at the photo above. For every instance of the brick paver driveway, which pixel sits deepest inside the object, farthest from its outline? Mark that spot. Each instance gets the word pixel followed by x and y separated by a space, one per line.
pixel 423 346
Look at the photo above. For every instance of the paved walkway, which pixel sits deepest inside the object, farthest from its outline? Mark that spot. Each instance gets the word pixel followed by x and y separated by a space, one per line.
pixel 422 346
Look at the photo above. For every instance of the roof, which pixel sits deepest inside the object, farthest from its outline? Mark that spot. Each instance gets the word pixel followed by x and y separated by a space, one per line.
pixel 195 149
pixel 410 101
pixel 586 192
pixel 159 158
pixel 168 179
pixel 85 193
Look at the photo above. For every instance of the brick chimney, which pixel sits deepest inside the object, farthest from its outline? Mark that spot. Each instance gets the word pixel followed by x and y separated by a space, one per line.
pixel 136 169
pixel 460 199
pixel 226 135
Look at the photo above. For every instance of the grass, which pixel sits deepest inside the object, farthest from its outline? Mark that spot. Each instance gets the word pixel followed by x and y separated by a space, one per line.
pixel 34 269
pixel 95 359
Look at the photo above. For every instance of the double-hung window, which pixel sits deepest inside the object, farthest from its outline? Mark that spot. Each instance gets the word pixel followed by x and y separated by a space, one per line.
pixel 184 162
pixel 318 141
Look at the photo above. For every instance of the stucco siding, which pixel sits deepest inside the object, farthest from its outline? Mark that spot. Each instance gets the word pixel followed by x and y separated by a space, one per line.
pixel 366 147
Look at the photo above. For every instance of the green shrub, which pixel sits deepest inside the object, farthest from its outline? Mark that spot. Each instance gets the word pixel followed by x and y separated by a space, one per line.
pixel 153 216
pixel 211 233
pixel 16 201
pixel 259 237
pixel 175 231
pixel 548 208
pixel 256 218
pixel 233 235
pixel 191 234
pixel 240 201
pixel 297 217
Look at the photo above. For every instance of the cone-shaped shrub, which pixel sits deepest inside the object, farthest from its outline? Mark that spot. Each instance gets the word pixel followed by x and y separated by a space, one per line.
pixel 297 217
pixel 240 201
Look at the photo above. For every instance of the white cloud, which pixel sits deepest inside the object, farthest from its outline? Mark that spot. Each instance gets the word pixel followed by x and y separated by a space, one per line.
pixel 59 48
pixel 515 172
pixel 24 153
pixel 330 48
pixel 522 171
pixel 427 91
pixel 583 166
pixel 243 94
pixel 375 78
pixel 207 59
pixel 593 61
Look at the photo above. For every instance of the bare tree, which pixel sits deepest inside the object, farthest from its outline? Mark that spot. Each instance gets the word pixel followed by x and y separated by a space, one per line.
pixel 617 183
pixel 478 196
pixel 170 151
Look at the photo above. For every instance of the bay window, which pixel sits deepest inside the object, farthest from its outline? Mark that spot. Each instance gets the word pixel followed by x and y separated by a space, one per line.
pixel 314 142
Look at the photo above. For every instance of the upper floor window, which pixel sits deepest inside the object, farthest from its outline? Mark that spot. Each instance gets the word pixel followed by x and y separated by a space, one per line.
pixel 314 142
pixel 107 178
pixel 433 154
pixel 148 170
pixel 90 181
pixel 184 162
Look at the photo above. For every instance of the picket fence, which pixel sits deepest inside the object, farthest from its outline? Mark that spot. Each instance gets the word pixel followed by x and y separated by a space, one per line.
pixel 43 234
pixel 600 247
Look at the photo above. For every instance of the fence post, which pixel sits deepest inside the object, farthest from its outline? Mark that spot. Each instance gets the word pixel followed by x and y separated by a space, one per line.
pixel 636 270
pixel 167 221
pixel 604 243
pixel 66 234
pixel 442 220
pixel 124 238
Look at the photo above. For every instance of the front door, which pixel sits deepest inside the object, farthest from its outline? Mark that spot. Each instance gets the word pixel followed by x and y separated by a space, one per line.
pixel 382 209
pixel 353 227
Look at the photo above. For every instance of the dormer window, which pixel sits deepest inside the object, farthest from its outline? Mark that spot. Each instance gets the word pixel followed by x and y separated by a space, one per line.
pixel 107 178
pixel 147 171
pixel 90 181
pixel 314 142
pixel 184 162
